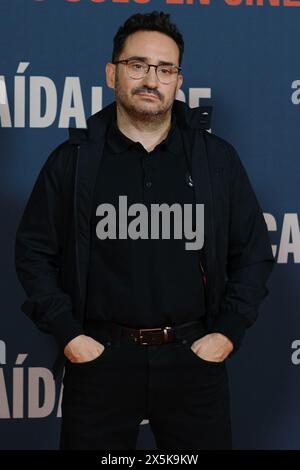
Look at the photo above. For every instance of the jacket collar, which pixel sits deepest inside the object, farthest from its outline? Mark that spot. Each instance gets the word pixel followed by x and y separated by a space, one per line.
pixel 186 118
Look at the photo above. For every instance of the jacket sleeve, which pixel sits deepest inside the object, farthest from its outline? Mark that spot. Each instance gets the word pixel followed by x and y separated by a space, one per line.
pixel 249 260
pixel 38 249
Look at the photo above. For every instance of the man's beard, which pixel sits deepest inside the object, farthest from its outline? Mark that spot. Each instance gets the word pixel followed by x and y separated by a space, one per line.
pixel 142 112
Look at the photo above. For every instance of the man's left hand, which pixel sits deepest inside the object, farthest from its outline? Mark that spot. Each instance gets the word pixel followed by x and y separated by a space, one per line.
pixel 213 347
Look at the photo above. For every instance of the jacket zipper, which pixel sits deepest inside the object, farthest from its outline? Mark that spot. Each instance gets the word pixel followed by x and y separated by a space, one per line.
pixel 203 274
pixel 76 225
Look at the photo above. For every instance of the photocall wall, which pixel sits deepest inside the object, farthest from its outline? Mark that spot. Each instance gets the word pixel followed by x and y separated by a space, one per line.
pixel 241 58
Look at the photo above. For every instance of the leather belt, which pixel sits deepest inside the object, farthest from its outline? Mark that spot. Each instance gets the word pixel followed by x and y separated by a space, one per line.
pixel 146 336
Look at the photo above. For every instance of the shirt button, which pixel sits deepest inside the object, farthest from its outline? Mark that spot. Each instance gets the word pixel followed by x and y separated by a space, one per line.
pixel 148 184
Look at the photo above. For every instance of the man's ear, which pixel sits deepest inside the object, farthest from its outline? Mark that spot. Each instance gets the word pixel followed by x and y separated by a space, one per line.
pixel 110 72
pixel 179 83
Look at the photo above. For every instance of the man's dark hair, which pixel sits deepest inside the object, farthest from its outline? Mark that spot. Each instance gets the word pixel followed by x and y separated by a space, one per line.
pixel 154 21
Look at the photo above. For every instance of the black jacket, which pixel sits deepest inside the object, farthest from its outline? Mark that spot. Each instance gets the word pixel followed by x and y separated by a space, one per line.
pixel 53 237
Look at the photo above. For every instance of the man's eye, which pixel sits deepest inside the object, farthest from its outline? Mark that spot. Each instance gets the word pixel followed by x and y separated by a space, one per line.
pixel 166 71
pixel 137 66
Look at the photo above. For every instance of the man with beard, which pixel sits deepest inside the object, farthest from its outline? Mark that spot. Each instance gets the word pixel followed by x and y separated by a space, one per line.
pixel 144 325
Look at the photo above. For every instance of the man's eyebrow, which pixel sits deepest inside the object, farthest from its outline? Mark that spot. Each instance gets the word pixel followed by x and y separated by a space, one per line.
pixel 137 57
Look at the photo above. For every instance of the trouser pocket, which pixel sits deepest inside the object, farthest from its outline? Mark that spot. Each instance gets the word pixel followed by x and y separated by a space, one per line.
pixel 187 343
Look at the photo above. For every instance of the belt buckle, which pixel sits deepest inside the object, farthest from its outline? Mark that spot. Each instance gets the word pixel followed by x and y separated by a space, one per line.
pixel 146 336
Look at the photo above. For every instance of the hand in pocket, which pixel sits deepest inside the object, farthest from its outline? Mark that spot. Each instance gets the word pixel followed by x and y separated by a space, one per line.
pixel 213 347
pixel 83 349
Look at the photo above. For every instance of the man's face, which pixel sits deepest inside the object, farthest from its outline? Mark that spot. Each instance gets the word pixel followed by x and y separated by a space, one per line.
pixel 146 98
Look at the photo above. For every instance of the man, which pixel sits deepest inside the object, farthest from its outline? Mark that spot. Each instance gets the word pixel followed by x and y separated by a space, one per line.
pixel 145 324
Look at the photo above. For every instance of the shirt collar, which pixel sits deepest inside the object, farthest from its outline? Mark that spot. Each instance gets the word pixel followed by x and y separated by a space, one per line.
pixel 119 142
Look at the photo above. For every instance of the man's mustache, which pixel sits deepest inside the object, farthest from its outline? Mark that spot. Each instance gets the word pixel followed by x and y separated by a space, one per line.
pixel 148 90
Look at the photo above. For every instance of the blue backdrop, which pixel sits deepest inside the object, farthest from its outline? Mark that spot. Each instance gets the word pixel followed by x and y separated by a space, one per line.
pixel 242 58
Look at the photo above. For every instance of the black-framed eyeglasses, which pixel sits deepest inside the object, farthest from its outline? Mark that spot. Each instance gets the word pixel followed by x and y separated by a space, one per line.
pixel 137 69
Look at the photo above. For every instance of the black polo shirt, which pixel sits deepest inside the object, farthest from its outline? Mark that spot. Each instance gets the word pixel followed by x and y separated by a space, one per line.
pixel 143 282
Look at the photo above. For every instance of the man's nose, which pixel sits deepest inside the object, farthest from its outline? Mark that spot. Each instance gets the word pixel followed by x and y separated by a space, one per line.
pixel 151 78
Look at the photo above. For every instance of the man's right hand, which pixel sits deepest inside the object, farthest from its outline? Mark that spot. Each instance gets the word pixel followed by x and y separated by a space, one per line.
pixel 83 349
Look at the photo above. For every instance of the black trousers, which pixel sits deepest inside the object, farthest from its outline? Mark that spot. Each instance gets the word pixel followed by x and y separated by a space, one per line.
pixel 185 398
